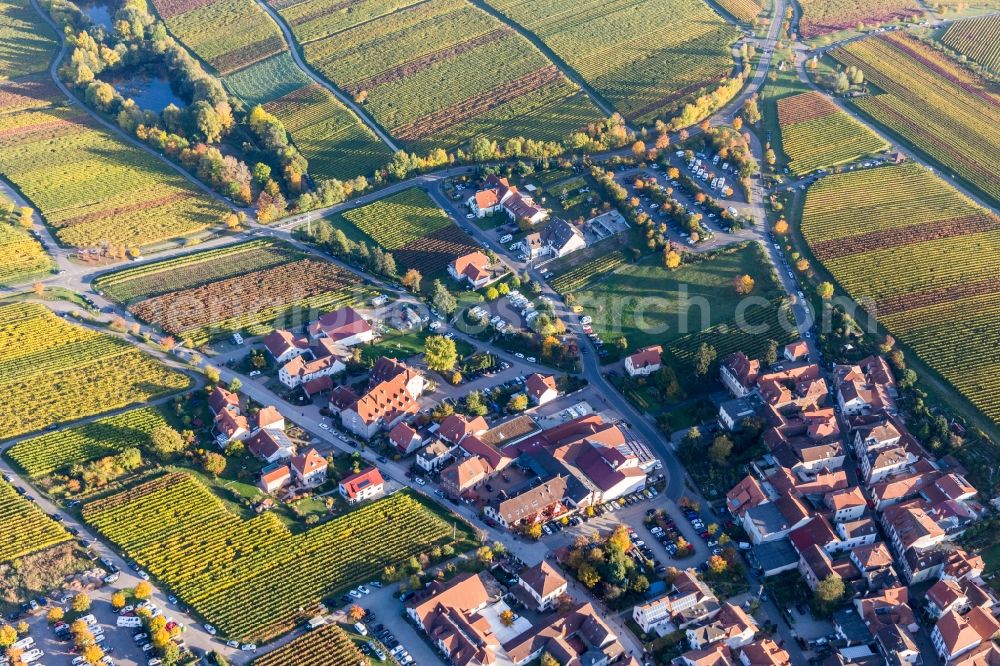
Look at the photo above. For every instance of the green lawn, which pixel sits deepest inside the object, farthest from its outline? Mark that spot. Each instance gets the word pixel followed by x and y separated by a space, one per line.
pixel 404 345
pixel 650 305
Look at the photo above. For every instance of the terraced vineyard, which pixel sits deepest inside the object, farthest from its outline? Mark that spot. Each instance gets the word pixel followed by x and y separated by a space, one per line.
pixel 227 34
pixel 647 58
pixel 933 103
pixel 259 70
pixel 194 269
pixel 26 529
pixel 26 43
pixel 820 17
pixel 326 646
pixel 57 451
pixel 336 143
pixel 410 225
pixel 88 185
pixel 939 298
pixel 252 287
pixel 392 52
pixel 815 133
pixel 249 578
pixel 580 276
pixel 742 10
pixel 52 371
pixel 977 38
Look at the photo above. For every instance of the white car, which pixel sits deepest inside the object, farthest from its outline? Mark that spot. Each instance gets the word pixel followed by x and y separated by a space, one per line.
pixel 531 359
pixel 324 426
pixel 255 373
pixel 355 594
pixel 363 590
pixel 420 482
pixel 249 647
pixel 519 355
pixel 469 216
pixel 140 637
pixel 210 629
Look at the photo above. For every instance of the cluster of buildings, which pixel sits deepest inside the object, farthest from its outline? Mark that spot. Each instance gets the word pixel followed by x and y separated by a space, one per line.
pixel 462 618
pixel 846 491
pixel 498 195
pixel 557 239
pixel 717 634
pixel 311 361
pixel 263 434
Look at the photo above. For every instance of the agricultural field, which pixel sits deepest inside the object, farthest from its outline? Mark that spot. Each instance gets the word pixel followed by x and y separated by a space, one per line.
pixel 389 53
pixel 249 578
pixel 932 103
pixel 417 232
pixel 581 275
pixel 940 298
pixel 328 134
pixel 26 528
pixel 27 44
pixel 24 258
pixel 646 58
pixel 744 11
pixel 227 34
pixel 326 646
pixel 682 308
pixel 89 186
pixel 251 287
pixel 58 451
pixel 52 371
pixel 820 17
pixel 815 133
pixel 978 39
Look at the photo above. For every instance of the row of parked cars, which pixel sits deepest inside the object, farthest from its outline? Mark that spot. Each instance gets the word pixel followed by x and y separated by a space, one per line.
pixel 698 524
pixel 384 635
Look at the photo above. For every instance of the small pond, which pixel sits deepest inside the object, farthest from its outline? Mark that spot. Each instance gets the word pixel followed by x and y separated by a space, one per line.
pixel 150 92
pixel 101 14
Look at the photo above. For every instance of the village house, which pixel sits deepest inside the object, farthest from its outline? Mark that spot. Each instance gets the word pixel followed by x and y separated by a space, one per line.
pixel 366 484
pixel 220 400
pixel 745 495
pixel 231 426
pixel 846 504
pixel 435 456
pixel 561 238
pixel 489 200
pixel 309 469
pixel 541 389
pixel 955 635
pixel 865 388
pixel 689 601
pixel 344 327
pixel 644 362
pixel 456 427
pixel 774 520
pixel 472 268
pixel 271 445
pixel 739 374
pixel 405 439
pixel 393 389
pixel 283 346
pixel 534 505
pixel 274 477
pixel 764 652
pixel 532 245
pixel 299 370
pixel 544 584
pixel 731 627
pixel 796 351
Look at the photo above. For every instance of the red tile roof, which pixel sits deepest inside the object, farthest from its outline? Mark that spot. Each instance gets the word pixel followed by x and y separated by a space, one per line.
pixel 537 384
pixel 647 356
pixel 220 399
pixel 279 341
pixel 340 324
pixel 366 478
pixel 308 463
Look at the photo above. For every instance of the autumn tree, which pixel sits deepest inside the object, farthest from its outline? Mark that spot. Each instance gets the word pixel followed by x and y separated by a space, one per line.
pixel 548 660
pixel 720 449
pixel 93 654
pixel 781 227
pixel 54 615
pixel 517 403
pixel 802 265
pixel 533 531
pixel 80 603
pixel 26 218
pixel 118 600
pixel 213 463
pixel 440 353
pixel 355 613
pixel 142 591
pixel 737 123
pixel 704 359
pixel 830 589
pixel 38 288
pixel 412 279
pixel 443 299
pixel 638 149
pixel 485 554
pixel 166 442
pixel 588 575
pixel 744 284
pixel 717 564
pixel 507 618
pixel 671 259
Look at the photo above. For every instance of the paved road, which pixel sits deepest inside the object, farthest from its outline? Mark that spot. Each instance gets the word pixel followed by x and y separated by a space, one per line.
pixel 293 48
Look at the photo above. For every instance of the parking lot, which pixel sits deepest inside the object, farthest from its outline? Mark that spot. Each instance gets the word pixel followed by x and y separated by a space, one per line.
pixel 388 631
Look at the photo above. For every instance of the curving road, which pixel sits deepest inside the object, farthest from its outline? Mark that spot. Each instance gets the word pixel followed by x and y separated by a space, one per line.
pixel 293 48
